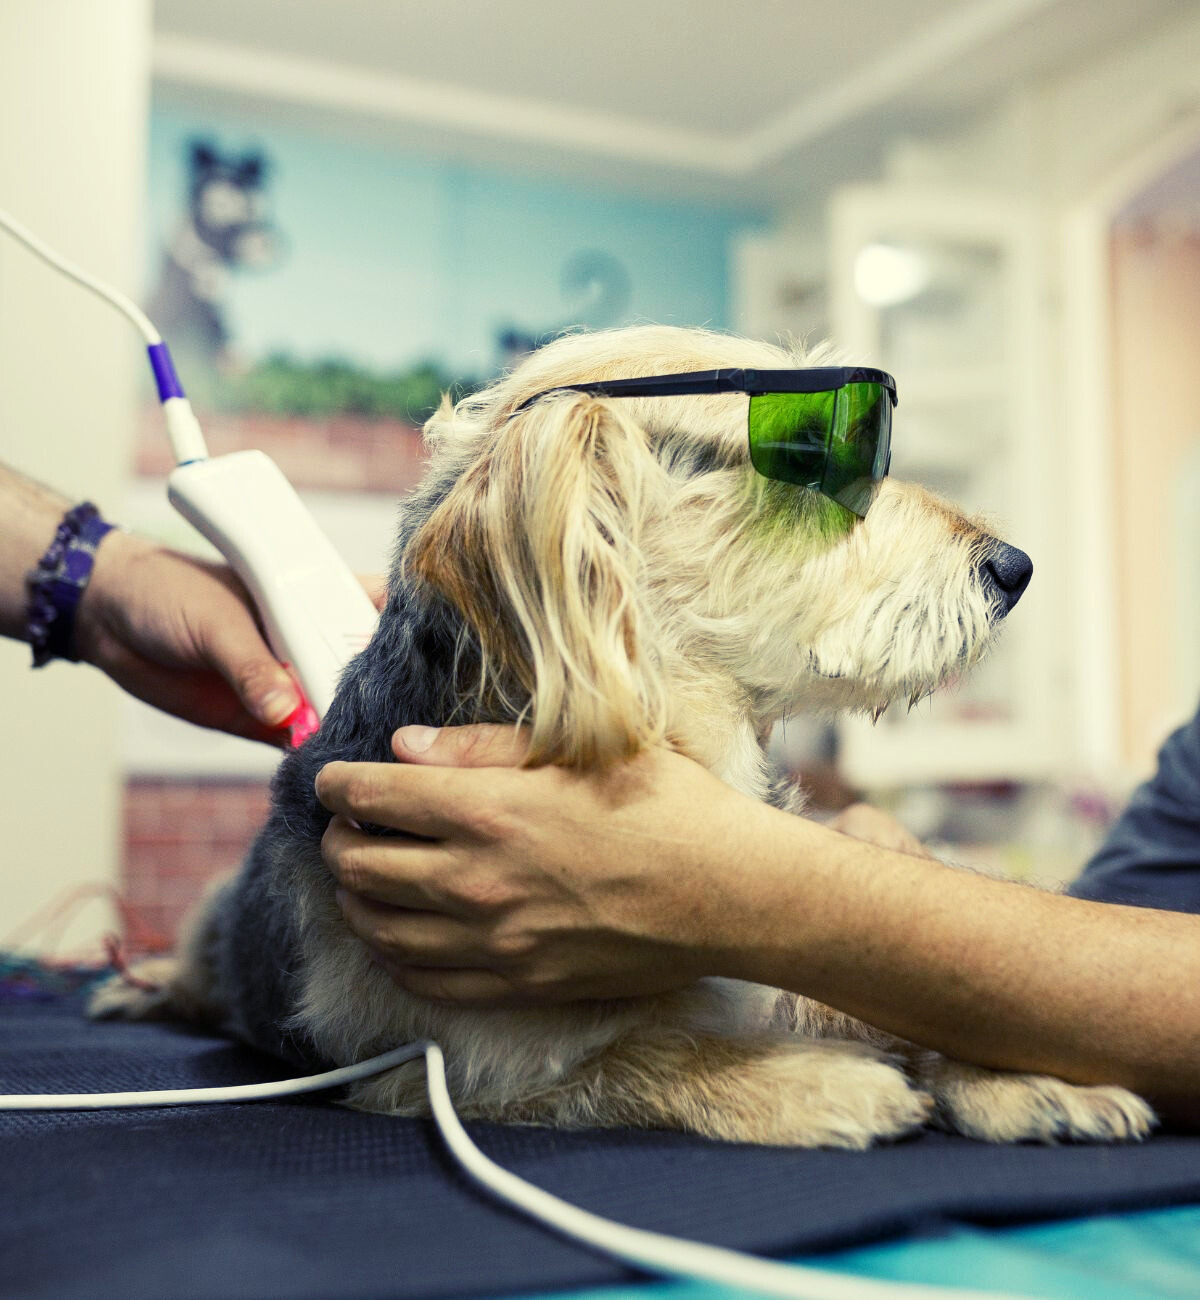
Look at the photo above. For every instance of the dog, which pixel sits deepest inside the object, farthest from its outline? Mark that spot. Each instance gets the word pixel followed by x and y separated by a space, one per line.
pixel 613 572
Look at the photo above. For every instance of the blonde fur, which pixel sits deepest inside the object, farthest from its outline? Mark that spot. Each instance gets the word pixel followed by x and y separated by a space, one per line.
pixel 539 546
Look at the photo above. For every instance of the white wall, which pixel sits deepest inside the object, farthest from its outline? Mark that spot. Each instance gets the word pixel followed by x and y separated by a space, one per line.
pixel 74 87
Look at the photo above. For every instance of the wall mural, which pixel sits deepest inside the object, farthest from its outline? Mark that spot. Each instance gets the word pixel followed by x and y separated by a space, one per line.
pixel 305 275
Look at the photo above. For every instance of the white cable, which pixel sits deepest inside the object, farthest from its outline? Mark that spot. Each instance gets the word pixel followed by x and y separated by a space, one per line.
pixel 183 429
pixel 80 276
pixel 653 1251
pixel 650 1251
pixel 208 1096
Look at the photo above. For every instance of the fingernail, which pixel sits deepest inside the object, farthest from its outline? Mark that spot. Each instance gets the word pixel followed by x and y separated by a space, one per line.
pixel 418 739
pixel 277 706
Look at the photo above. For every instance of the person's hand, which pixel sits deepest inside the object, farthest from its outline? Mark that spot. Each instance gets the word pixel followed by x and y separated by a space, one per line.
pixel 864 822
pixel 181 634
pixel 538 884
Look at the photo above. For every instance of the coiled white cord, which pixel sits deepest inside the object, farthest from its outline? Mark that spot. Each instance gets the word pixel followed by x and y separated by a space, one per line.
pixel 650 1251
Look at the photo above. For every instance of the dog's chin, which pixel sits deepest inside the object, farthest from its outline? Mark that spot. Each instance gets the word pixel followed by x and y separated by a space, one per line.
pixel 846 691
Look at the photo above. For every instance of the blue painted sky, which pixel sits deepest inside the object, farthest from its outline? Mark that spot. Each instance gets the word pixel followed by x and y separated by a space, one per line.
pixel 395 258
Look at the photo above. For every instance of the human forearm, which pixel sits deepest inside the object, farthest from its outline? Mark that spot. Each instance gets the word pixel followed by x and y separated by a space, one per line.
pixel 982 970
pixel 30 513
pixel 541 886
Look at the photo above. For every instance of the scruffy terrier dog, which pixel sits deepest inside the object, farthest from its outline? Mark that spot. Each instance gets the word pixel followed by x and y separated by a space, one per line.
pixel 614 572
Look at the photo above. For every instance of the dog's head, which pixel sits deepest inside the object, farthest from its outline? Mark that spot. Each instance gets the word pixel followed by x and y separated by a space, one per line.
pixel 628 577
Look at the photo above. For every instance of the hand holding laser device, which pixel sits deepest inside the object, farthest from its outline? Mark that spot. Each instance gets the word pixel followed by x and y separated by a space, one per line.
pixel 316 613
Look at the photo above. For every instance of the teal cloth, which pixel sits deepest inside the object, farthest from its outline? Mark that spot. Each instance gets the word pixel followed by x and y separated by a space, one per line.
pixel 1148 1255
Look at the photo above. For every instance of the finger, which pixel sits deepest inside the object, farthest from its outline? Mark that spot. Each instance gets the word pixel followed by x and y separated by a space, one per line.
pixel 481 745
pixel 396 872
pixel 195 696
pixel 403 937
pixel 235 647
pixel 863 822
pixel 434 804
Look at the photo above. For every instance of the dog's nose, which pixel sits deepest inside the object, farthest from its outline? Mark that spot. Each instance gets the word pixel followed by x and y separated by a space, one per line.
pixel 1005 574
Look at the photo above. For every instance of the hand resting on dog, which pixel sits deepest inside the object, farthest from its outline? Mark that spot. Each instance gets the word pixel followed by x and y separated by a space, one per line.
pixel 529 886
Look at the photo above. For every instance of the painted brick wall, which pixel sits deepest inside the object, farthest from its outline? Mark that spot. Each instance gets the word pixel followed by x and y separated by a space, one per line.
pixel 179 835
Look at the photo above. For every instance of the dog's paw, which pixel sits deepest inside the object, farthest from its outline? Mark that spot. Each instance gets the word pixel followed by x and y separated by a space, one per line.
pixel 848 1096
pixel 142 995
pixel 998 1107
pixel 799 1094
pixel 783 1092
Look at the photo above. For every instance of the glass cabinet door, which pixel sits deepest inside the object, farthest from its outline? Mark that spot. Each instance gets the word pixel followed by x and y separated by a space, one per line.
pixel 942 289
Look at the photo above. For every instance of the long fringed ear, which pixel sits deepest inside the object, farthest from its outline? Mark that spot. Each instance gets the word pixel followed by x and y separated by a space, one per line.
pixel 537 545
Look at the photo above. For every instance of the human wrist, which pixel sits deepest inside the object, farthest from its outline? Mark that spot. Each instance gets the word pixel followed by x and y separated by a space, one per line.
pixel 804 902
pixel 31 514
pixel 765 916
pixel 98 618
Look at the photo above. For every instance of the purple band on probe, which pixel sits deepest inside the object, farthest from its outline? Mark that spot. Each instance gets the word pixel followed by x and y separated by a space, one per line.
pixel 164 372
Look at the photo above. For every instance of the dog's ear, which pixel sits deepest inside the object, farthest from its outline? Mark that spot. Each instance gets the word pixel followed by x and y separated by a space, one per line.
pixel 537 545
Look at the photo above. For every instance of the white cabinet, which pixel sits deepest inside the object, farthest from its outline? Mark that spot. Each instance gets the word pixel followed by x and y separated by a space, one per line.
pixel 944 288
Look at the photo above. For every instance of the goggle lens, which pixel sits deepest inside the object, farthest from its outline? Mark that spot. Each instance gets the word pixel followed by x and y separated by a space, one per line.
pixel 835 442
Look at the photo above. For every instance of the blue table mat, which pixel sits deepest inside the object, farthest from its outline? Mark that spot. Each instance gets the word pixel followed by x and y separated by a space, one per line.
pixel 303 1198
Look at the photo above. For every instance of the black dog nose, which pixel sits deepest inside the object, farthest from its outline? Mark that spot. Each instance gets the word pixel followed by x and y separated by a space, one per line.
pixel 1005 574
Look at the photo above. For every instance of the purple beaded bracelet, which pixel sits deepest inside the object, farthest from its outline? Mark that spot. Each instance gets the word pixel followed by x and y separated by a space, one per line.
pixel 57 585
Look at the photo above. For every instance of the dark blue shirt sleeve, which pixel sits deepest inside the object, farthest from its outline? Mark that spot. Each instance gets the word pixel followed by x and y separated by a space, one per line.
pixel 1151 857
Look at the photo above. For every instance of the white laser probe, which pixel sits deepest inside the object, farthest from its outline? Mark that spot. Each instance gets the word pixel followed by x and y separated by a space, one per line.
pixel 316 614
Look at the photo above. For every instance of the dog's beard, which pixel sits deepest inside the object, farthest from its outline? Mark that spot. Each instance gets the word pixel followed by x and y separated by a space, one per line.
pixel 896 654
pixel 891 610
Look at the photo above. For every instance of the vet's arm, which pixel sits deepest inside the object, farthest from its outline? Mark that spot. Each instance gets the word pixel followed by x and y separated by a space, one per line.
pixel 174 631
pixel 540 886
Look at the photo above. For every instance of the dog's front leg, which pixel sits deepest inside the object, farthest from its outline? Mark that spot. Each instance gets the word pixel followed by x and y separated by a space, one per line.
pixel 999 1106
pixel 761 1089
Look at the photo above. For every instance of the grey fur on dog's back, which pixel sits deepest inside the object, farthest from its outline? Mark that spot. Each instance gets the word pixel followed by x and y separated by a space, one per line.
pixel 407 674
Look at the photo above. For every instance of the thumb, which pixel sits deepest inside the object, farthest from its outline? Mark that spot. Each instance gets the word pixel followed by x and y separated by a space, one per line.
pixel 481 745
pixel 264 687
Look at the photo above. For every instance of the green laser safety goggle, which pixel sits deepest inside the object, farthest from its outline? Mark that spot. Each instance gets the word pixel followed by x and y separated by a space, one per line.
pixel 828 428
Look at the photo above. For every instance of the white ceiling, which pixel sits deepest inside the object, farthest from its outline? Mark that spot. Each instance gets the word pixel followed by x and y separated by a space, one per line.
pixel 671 94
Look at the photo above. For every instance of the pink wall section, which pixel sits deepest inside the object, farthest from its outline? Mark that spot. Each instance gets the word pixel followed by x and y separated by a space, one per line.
pixel 1156 345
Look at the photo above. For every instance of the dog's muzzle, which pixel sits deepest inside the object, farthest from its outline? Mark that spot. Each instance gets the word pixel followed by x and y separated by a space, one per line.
pixel 1004 575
